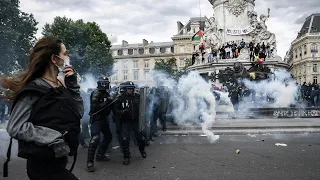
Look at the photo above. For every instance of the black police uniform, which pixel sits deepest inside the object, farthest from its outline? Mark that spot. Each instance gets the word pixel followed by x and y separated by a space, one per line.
pixel 127 108
pixel 99 112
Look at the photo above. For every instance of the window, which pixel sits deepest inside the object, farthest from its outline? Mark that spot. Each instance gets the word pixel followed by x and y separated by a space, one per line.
pixel 300 80
pixel 135 64
pixel 315 68
pixel 141 51
pixel 182 62
pixel 136 74
pixel 314 48
pixel 130 51
pixel 305 49
pixel 152 50
pixel 125 75
pixel 304 68
pixel 162 49
pixel 125 64
pixel 172 49
pixel 315 80
pixel 146 72
pixel 120 52
pixel 146 63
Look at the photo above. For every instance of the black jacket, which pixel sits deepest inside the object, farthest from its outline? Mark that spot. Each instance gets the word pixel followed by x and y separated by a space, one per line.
pixel 99 100
pixel 127 107
pixel 57 108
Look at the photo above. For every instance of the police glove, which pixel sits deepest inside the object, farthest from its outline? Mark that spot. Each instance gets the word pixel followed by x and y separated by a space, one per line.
pixel 60 148
pixel 125 111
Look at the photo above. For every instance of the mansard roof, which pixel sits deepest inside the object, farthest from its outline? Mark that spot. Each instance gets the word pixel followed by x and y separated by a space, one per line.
pixel 311 25
pixel 187 26
pixel 138 45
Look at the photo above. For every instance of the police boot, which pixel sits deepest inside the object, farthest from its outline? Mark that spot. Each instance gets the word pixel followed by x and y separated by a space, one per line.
pixel 91 153
pixel 90 166
pixel 126 161
pixel 143 154
pixel 100 157
pixel 90 161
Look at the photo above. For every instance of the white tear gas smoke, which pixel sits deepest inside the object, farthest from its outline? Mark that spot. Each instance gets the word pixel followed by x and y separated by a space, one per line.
pixel 280 87
pixel 88 81
pixel 193 102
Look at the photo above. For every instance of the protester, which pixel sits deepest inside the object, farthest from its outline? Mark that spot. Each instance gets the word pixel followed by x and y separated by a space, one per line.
pixel 46 111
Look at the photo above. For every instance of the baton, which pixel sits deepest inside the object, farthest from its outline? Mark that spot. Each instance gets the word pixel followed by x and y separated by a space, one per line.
pixel 105 107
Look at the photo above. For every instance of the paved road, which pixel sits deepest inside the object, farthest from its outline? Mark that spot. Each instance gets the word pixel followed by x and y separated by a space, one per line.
pixel 192 157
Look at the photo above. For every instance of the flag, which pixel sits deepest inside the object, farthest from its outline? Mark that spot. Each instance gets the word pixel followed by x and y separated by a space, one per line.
pixel 197 36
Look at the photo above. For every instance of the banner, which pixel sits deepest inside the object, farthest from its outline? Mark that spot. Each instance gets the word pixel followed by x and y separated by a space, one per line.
pixel 237 32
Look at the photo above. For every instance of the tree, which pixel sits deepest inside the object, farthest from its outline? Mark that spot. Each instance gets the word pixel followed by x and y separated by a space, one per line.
pixel 87 45
pixel 170 67
pixel 17 36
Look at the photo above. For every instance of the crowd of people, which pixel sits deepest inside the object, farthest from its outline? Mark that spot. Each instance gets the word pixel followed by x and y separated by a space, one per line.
pixel 309 93
pixel 233 49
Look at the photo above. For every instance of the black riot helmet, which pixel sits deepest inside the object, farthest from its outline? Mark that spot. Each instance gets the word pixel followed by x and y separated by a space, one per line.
pixel 103 83
pixel 128 85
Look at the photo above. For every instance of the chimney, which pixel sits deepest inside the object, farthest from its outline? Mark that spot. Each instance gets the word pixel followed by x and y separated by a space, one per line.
pixel 124 43
pixel 144 42
pixel 180 26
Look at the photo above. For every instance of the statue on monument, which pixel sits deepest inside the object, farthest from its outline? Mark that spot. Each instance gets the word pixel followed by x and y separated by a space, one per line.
pixel 250 26
pixel 260 32
pixel 212 36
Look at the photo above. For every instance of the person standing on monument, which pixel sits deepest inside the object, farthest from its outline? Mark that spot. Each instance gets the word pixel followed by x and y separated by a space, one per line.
pixel 251 49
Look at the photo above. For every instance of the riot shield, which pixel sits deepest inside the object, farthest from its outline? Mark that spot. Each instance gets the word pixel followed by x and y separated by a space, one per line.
pixel 149 111
pixel 142 108
pixel 164 102
pixel 164 99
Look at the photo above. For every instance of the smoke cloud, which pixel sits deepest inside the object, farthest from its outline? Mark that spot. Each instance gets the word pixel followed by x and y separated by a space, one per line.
pixel 88 81
pixel 280 87
pixel 192 101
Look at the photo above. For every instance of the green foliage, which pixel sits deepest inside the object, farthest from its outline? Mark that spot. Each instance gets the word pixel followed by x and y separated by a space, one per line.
pixel 87 46
pixel 17 36
pixel 170 67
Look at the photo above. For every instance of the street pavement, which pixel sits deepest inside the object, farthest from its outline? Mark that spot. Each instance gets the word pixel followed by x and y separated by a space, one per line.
pixel 175 157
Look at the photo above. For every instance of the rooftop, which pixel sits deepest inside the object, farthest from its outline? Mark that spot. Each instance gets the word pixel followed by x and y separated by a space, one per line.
pixel 137 45
pixel 311 25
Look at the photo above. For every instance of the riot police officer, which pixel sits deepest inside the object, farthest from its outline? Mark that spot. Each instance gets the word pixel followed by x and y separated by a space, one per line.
pixel 127 108
pixel 99 110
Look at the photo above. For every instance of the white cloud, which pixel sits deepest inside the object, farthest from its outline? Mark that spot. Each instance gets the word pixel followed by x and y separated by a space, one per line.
pixel 156 20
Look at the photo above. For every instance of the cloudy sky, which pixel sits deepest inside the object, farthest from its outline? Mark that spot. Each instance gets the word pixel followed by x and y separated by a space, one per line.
pixel 154 20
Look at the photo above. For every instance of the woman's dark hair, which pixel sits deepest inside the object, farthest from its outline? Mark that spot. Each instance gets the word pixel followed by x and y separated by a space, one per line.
pixel 38 62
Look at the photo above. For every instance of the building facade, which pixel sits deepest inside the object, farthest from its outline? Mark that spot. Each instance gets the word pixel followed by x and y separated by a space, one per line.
pixel 303 55
pixel 133 62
